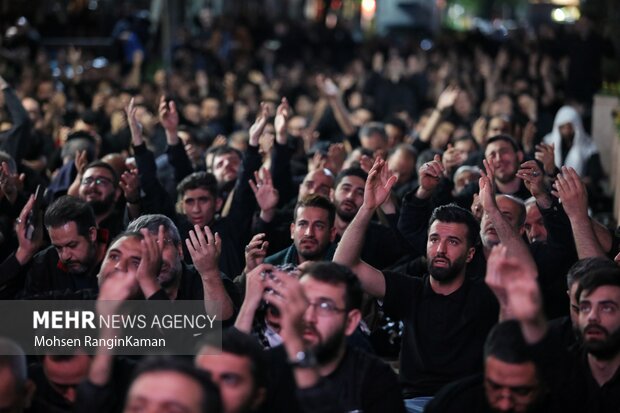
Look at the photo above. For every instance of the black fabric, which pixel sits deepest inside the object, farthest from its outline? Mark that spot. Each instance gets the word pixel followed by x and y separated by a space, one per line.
pixel 361 382
pixel 444 334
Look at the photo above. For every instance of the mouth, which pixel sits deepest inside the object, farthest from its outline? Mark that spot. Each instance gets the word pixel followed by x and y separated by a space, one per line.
pixel 441 262
pixel 348 205
pixel 595 333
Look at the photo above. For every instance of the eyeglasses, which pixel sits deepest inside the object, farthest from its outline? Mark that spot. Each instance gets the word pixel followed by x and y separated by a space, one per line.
pixel 326 308
pixel 97 180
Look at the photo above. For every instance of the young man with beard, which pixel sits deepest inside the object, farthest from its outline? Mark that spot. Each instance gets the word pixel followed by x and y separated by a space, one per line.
pixel 70 264
pixel 315 369
pixel 312 231
pixel 585 377
pixel 100 189
pixel 446 314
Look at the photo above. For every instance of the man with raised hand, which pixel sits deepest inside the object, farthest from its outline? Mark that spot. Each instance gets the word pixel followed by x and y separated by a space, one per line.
pixel 446 314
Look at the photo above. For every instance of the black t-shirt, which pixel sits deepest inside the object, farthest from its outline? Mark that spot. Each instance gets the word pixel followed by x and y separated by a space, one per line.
pixel 444 334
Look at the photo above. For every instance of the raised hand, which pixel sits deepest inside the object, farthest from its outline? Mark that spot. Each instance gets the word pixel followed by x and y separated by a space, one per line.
pixel 327 87
pixel 255 283
pixel 545 154
pixel 533 178
pixel 150 262
pixel 28 247
pixel 80 161
pixel 336 155
pixel 569 188
pixel 168 115
pixel 486 195
pixel 281 120
pixel 266 195
pixel 130 185
pixel 286 294
pixel 257 128
pixel 429 176
pixel 255 252
pixel 205 249
pixel 134 125
pixel 10 183
pixel 447 97
pixel 452 158
pixel 378 185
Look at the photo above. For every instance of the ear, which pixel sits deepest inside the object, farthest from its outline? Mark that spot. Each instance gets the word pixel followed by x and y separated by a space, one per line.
pixel 470 254
pixel 521 230
pixel 92 234
pixel 353 320
pixel 333 233
pixel 292 229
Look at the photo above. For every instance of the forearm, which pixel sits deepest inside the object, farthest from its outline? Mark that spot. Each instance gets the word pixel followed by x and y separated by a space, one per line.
pixel 305 377
pixel 430 126
pixel 245 318
pixel 342 115
pixel 534 330
pixel 586 241
pixel 509 237
pixel 214 292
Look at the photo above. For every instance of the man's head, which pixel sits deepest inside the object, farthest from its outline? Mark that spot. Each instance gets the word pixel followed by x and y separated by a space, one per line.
pixel 225 165
pixel 401 162
pixel 313 227
pixel 373 136
pixel 513 209
pixel 349 194
pixel 568 123
pixel 599 312
pixel 465 175
pixel 71 225
pixel 511 379
pixel 64 373
pixel 198 197
pixel 167 384
pixel 451 242
pixel 335 296
pixel 320 182
pixel 171 251
pixel 239 370
pixel 534 224
pixel 503 153
pixel 122 260
pixel 16 390
pixel 99 187
pixel 498 125
pixel 579 270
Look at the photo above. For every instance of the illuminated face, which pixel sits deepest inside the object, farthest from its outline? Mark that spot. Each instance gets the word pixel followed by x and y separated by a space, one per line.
pixel 122 260
pixel 164 391
pixel 65 374
pixel 98 189
pixel 402 164
pixel 503 157
pixel 599 321
pixel 510 387
pixel 76 252
pixel 199 205
pixel 447 250
pixel 232 373
pixel 327 321
pixel 312 233
pixel 534 225
pixel 316 182
pixel 349 196
pixel 567 132
pixel 226 167
pixel 497 126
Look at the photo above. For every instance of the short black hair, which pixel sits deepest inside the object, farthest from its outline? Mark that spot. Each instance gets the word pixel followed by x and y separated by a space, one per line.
pixel 333 273
pixel 456 214
pixel 598 278
pixel 506 343
pixel 211 401
pixel 317 201
pixel 196 180
pixel 353 171
pixel 223 150
pixel 505 138
pixel 585 266
pixel 245 345
pixel 104 165
pixel 373 128
pixel 70 209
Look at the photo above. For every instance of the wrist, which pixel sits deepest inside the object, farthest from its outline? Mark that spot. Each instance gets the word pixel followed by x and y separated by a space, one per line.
pixel 422 193
pixel 22 255
pixel 267 214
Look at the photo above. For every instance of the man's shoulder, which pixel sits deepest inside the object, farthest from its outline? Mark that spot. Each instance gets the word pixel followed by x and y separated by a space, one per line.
pixel 282 257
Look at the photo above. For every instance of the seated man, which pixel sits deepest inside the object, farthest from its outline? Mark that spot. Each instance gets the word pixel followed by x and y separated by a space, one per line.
pixel 511 381
pixel 70 263
pixel 446 314
pixel 239 369
pixel 315 369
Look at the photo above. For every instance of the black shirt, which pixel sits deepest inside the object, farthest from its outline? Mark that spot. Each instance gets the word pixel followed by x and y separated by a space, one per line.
pixel 444 334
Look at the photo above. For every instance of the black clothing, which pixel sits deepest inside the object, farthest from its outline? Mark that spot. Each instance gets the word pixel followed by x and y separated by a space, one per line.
pixel 289 255
pixel 360 382
pixel 16 140
pixel 444 334
pixel 563 328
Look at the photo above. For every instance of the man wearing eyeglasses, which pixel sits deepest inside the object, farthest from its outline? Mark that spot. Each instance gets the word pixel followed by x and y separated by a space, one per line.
pixel 315 369
pixel 100 189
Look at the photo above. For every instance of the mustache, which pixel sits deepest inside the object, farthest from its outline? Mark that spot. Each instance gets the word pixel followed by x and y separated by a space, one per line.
pixel 595 328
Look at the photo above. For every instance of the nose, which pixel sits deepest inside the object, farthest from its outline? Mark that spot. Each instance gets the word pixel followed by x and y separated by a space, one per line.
pixel 65 254
pixel 441 248
pixel 505 403
pixel 310 314
pixel 309 231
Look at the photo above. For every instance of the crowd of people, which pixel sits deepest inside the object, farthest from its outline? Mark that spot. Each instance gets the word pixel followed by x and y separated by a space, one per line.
pixel 347 204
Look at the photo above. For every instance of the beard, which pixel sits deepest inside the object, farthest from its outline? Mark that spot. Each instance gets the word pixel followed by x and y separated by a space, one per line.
pixel 448 273
pixel 605 349
pixel 171 275
pixel 327 350
pixel 103 206
pixel 346 216
pixel 80 267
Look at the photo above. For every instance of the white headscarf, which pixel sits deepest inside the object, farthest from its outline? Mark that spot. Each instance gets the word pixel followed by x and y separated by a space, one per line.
pixel 583 146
